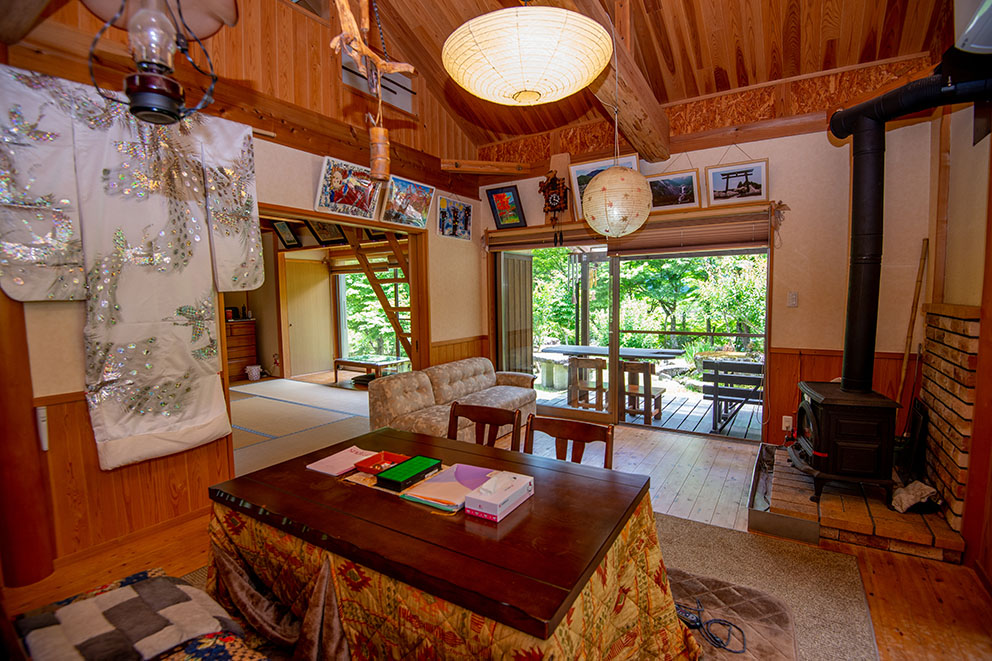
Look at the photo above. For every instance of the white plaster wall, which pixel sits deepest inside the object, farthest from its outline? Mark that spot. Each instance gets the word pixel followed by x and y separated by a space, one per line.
pixel 457 274
pixel 811 254
pixel 967 212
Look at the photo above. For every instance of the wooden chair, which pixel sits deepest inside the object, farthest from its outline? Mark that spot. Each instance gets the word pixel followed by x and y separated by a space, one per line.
pixel 580 385
pixel 642 397
pixel 485 417
pixel 563 431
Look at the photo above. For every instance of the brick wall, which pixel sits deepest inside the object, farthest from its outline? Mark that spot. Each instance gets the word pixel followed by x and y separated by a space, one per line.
pixel 950 358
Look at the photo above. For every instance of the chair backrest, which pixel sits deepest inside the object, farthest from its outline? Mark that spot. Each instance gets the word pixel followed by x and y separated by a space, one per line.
pixel 634 371
pixel 485 417
pixel 597 364
pixel 563 431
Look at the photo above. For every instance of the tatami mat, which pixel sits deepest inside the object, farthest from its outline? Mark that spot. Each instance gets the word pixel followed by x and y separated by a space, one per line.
pixel 235 395
pixel 278 418
pixel 243 439
pixel 275 450
pixel 354 402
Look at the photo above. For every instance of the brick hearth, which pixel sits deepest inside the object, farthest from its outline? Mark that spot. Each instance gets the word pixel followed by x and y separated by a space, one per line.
pixel 857 514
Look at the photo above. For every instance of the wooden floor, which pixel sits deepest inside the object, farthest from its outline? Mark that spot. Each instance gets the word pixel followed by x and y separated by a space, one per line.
pixel 693 414
pixel 692 477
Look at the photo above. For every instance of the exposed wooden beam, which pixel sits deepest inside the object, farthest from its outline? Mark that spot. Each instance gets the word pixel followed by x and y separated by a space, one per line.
pixel 18 17
pixel 484 167
pixel 642 120
pixel 59 50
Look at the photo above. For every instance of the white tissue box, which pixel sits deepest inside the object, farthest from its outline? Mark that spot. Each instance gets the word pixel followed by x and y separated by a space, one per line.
pixel 501 494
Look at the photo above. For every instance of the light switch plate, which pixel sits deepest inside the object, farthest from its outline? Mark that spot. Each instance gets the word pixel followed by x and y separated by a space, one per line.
pixel 793 301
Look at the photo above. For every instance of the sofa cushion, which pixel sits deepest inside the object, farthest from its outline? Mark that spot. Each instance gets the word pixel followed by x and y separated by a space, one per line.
pixel 396 395
pixel 455 380
pixel 432 420
pixel 504 397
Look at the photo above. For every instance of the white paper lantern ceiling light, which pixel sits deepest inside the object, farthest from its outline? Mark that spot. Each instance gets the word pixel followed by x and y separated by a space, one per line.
pixel 616 201
pixel 526 56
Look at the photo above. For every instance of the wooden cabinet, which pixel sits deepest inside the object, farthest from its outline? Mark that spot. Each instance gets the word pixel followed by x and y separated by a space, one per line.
pixel 240 348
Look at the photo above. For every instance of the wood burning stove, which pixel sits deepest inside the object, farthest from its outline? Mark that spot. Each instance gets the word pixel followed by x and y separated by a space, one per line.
pixel 844 435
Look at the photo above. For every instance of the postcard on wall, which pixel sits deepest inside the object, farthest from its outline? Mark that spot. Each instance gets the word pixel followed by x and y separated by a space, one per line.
pixel 454 218
pixel 506 207
pixel 672 191
pixel 347 189
pixel 737 183
pixel 407 202
pixel 582 174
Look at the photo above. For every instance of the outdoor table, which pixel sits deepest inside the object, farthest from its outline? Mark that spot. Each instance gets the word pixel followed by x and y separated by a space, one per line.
pixel 625 352
pixel 574 572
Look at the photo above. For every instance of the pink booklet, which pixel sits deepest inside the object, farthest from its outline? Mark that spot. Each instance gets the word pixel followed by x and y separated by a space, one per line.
pixel 340 463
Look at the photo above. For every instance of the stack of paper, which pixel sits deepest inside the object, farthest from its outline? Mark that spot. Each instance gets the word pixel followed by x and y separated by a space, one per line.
pixel 447 489
pixel 340 463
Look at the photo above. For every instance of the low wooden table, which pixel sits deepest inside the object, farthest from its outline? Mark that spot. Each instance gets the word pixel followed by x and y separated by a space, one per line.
pixel 372 364
pixel 524 572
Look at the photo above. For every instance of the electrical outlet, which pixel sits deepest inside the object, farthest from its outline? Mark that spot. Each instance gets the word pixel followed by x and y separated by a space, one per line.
pixel 793 301
pixel 786 423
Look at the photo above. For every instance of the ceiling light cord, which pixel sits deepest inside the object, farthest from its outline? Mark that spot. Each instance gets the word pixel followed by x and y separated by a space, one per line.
pixel 113 19
pixel 616 92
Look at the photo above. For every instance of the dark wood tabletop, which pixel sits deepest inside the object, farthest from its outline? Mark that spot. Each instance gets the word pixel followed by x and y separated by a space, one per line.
pixel 524 571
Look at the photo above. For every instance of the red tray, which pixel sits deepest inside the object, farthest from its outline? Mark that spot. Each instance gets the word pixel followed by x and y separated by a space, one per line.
pixel 379 462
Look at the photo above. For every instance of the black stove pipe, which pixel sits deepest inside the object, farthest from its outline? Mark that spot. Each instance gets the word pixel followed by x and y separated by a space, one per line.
pixel 866 122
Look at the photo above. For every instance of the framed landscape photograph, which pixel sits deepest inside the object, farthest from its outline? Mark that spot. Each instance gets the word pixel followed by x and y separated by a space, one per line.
pixel 582 173
pixel 346 189
pixel 671 191
pixel 407 202
pixel 326 234
pixel 286 235
pixel 507 210
pixel 454 218
pixel 737 183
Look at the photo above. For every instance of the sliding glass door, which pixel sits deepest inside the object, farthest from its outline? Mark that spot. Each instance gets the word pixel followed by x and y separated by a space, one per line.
pixel 556 320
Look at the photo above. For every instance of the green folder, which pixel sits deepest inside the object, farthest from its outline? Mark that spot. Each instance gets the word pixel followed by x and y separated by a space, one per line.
pixel 408 473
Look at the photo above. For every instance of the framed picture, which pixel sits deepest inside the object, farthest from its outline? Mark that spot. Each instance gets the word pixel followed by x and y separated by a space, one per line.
pixel 454 218
pixel 507 210
pixel 346 189
pixel 675 190
pixel 407 202
pixel 374 235
pixel 584 172
pixel 737 183
pixel 326 234
pixel 286 235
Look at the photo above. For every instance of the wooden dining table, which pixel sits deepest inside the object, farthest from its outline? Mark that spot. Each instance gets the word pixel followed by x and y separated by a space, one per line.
pixel 575 568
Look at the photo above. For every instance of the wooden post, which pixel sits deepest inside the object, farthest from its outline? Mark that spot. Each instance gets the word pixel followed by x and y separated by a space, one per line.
pixel 27 540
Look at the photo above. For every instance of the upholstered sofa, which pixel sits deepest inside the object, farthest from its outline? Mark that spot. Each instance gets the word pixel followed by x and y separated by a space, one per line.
pixel 420 401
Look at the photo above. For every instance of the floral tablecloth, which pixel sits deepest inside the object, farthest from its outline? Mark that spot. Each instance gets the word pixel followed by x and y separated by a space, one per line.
pixel 625 611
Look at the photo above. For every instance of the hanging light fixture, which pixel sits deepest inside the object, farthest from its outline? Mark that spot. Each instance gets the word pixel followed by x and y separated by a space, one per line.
pixel 616 201
pixel 525 56
pixel 154 35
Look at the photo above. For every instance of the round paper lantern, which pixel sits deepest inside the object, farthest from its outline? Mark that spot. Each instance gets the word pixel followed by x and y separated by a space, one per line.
pixel 616 201
pixel 525 56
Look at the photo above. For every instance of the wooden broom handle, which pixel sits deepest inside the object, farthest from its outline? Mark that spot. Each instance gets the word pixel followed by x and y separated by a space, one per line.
pixel 912 317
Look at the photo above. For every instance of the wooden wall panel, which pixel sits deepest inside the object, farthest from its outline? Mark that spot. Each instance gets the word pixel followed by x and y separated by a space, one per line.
pixel 282 50
pixel 468 347
pixel 786 367
pixel 94 507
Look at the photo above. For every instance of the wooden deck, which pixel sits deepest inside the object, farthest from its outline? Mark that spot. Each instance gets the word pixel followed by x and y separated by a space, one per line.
pixel 695 414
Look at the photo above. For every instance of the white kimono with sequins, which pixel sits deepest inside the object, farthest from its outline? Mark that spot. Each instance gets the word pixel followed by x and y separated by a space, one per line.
pixel 154 204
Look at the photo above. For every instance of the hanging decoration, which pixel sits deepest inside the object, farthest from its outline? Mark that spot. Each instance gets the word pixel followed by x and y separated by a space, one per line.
pixel 616 201
pixel 354 42
pixel 155 32
pixel 526 56
pixel 555 202
pixel 154 204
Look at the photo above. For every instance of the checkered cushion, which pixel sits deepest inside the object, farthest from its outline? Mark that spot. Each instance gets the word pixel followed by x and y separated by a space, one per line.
pixel 139 621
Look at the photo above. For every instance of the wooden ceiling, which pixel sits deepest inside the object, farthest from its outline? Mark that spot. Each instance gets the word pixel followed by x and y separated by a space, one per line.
pixel 684 48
